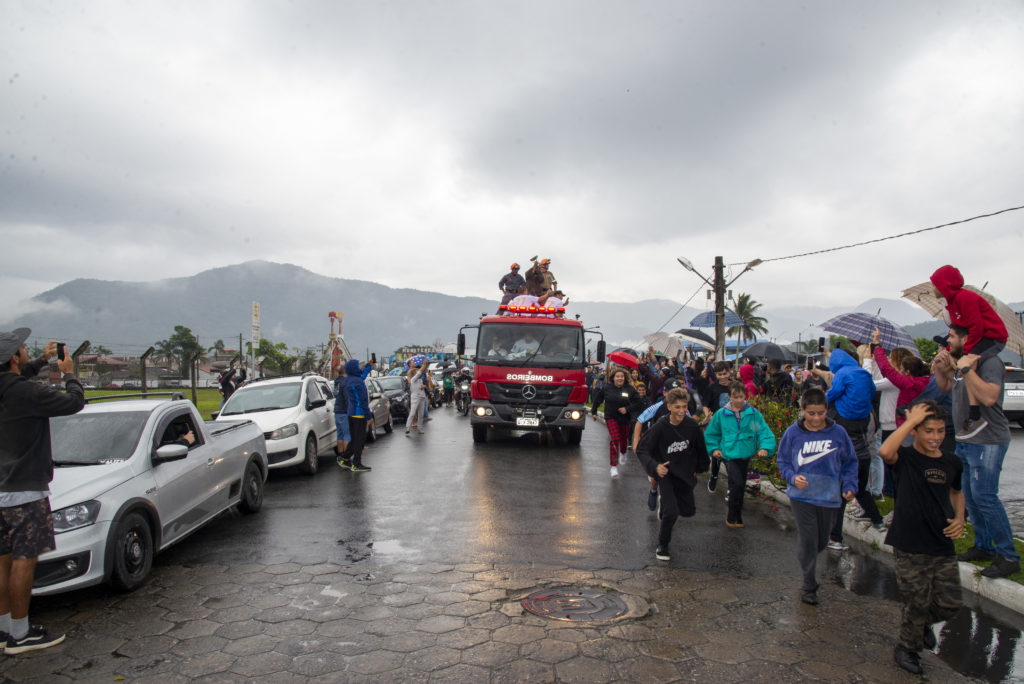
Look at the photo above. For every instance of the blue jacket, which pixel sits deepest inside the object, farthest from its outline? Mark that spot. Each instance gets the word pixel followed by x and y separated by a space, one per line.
pixel 852 387
pixel 356 399
pixel 738 438
pixel 825 457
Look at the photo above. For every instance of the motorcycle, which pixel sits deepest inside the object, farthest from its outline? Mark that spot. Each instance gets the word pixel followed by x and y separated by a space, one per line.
pixel 463 395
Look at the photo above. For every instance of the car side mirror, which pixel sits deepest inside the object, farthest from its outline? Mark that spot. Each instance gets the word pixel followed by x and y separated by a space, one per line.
pixel 600 351
pixel 170 452
pixel 315 404
pixel 213 416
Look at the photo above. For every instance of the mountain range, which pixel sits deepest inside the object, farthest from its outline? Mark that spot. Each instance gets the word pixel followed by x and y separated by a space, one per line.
pixel 216 304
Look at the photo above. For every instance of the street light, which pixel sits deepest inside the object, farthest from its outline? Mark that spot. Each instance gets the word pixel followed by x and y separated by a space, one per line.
pixel 719 286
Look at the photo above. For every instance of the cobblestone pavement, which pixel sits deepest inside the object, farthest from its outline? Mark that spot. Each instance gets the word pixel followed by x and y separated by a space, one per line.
pixel 458 623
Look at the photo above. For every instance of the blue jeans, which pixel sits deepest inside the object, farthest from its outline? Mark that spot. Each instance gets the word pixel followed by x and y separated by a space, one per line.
pixel 982 465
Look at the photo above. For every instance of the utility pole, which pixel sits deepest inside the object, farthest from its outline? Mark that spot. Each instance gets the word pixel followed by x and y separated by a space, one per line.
pixel 719 308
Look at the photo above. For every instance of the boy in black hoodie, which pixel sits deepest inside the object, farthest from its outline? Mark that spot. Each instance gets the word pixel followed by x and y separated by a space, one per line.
pixel 673 452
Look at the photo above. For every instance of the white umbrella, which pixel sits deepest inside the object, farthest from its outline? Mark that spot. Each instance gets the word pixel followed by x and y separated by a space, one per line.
pixel 667 343
pixel 923 297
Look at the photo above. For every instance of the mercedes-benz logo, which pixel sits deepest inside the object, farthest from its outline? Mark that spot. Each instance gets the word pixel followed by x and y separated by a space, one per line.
pixel 529 392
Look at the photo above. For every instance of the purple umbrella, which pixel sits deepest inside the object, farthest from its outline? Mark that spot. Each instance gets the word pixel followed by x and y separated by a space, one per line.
pixel 859 326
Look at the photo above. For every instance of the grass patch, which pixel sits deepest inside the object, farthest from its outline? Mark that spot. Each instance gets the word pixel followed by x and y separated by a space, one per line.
pixel 207 398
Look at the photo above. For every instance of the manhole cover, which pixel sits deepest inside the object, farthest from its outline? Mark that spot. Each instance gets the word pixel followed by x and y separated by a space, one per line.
pixel 575 604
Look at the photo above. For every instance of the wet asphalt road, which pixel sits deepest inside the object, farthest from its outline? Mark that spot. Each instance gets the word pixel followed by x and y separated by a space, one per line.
pixel 411 572
pixel 439 497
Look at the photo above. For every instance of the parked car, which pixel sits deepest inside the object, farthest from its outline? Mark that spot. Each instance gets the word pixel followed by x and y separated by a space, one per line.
pixel 296 415
pixel 1013 395
pixel 380 407
pixel 123 490
pixel 396 388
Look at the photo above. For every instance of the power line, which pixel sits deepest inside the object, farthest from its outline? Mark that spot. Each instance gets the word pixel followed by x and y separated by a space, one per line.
pixel 699 288
pixel 888 237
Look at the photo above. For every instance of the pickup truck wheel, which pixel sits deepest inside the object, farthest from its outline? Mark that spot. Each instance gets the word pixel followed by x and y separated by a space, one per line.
pixel 312 462
pixel 479 434
pixel 389 426
pixel 573 436
pixel 252 489
pixel 133 552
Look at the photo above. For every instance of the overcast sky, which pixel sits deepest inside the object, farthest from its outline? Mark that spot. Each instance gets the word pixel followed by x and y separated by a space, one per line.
pixel 429 144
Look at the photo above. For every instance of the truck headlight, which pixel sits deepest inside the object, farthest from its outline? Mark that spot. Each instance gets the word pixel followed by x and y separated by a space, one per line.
pixel 481 411
pixel 76 516
pixel 285 432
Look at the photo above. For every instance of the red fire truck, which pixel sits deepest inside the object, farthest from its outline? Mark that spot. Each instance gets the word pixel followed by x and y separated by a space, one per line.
pixel 529 372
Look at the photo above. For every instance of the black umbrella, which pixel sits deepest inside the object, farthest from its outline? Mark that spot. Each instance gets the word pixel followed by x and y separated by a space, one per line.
pixel 697 337
pixel 768 350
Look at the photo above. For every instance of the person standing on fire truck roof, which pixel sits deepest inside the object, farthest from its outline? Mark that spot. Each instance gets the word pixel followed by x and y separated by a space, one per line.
pixel 524 299
pixel 539 278
pixel 510 283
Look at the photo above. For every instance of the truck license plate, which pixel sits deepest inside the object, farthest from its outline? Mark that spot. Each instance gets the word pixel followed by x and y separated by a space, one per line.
pixel 1015 393
pixel 528 422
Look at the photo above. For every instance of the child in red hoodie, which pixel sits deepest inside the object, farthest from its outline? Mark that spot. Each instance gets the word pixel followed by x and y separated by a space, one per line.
pixel 986 331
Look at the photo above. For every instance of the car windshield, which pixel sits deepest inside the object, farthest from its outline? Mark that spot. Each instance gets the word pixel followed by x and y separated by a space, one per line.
pixel 391 382
pixel 96 438
pixel 537 346
pixel 257 397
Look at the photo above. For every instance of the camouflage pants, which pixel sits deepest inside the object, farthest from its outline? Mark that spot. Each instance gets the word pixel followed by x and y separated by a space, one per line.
pixel 930 589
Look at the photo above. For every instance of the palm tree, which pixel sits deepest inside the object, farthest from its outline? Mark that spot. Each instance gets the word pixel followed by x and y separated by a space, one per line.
pixel 753 325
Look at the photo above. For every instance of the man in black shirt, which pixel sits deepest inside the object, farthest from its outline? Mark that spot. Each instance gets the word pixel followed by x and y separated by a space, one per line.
pixel 928 516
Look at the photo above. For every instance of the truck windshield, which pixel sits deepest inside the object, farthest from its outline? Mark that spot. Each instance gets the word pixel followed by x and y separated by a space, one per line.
pixel 96 438
pixel 262 398
pixel 536 346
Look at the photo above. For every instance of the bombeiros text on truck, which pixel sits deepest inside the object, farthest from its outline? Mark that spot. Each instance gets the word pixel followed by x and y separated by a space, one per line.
pixel 529 372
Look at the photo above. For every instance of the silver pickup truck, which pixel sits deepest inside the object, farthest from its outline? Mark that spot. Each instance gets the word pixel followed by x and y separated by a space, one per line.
pixel 126 485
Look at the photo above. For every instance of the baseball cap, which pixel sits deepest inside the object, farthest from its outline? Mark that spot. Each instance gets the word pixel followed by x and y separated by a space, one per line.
pixel 10 342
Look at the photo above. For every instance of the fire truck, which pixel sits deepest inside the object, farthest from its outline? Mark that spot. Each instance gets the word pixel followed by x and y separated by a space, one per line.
pixel 529 372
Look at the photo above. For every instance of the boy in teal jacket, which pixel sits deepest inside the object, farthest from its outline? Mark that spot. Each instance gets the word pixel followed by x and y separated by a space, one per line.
pixel 735 434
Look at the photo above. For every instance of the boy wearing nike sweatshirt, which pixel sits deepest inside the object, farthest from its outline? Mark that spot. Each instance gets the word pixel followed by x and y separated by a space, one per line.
pixel 816 457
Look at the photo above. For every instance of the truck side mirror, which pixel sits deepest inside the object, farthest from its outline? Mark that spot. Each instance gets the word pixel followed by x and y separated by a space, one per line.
pixel 462 344
pixel 600 351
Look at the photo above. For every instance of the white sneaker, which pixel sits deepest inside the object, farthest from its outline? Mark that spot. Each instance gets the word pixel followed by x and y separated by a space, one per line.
pixel 622 458
pixel 614 471
pixel 837 546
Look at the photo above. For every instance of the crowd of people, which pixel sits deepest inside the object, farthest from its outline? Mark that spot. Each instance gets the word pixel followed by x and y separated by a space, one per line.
pixel 538 287
pixel 871 421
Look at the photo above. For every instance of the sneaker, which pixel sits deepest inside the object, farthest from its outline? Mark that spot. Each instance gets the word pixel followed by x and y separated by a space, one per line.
pixel 614 472
pixel 727 497
pixel 930 641
pixel 854 511
pixel 837 546
pixel 809 597
pixel 622 457
pixel 971 428
pixel 712 484
pixel 36 639
pixel 344 463
pixel 360 468
pixel 878 526
pixel 1001 567
pixel 908 661
pixel 662 554
pixel 652 500
pixel 731 524
pixel 976 554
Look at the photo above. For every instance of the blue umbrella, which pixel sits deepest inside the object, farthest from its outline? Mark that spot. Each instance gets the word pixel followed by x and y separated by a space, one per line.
pixel 707 320
pixel 859 326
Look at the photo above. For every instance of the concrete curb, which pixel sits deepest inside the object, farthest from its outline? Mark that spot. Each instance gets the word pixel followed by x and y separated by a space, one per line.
pixel 1002 591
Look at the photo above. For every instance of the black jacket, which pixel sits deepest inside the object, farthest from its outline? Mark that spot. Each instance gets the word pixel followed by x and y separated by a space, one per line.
pixel 26 462
pixel 780 387
pixel 615 398
pixel 681 445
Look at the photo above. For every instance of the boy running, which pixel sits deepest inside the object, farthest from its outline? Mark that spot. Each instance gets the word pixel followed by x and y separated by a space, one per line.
pixel 929 515
pixel 817 459
pixel 716 397
pixel 673 452
pixel 736 433
pixel 986 333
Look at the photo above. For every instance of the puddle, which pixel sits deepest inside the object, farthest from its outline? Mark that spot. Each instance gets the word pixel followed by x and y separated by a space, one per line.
pixel 983 640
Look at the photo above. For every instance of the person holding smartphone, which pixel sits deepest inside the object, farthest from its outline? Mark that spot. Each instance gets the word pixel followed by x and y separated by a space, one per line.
pixel 26 469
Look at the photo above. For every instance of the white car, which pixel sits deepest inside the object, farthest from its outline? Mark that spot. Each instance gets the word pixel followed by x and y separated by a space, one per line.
pixel 124 487
pixel 1013 395
pixel 296 415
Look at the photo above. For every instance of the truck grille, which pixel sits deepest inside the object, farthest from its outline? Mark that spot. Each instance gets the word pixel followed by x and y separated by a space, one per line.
pixel 547 395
